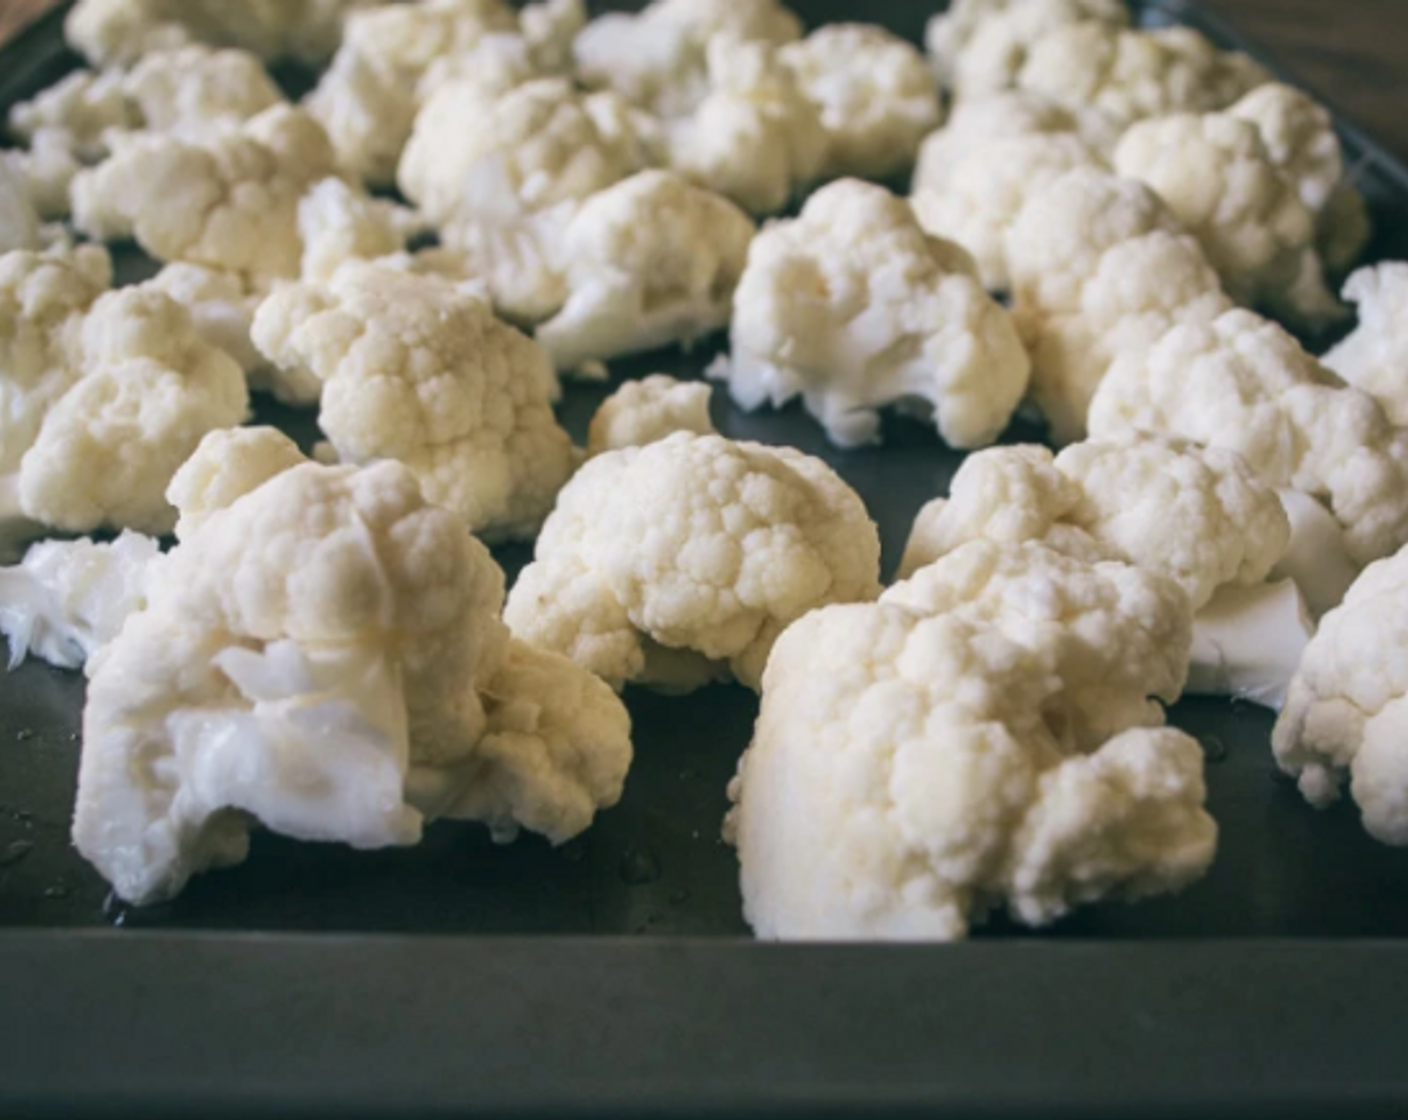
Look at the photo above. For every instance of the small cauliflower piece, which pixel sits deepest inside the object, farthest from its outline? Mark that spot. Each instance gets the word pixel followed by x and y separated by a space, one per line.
pixel 220 306
pixel 229 201
pixel 20 226
pixel 657 58
pixel 195 88
pixel 986 191
pixel 149 388
pixel 325 657
pixel 43 299
pixel 82 107
pixel 414 369
pixel 652 261
pixel 995 53
pixel 951 34
pixel 1374 357
pixel 227 464
pixel 1345 715
pixel 680 562
pixel 47 168
pixel 70 598
pixel 875 93
pixel 853 307
pixel 983 735
pixel 646 411
pixel 1243 383
pixel 974 124
pixel 338 223
pixel 1217 178
pixel 755 139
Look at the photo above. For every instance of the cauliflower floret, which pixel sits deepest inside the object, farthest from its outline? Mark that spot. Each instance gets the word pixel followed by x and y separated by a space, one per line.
pixel 646 411
pixel 755 138
pixel 1129 75
pixel 46 169
pixel 1374 357
pixel 1216 176
pixel 1241 382
pixel 70 598
pixel 651 261
pixel 875 93
pixel 853 307
pixel 995 53
pixel 985 192
pixel 325 657
pixel 950 35
pixel 1097 270
pixel 196 88
pixel 149 388
pixel 337 223
pixel 20 227
pixel 657 58
pixel 43 299
pixel 982 735
pixel 1316 559
pixel 83 108
pixel 1346 714
pixel 414 369
pixel 680 562
pixel 227 464
pixel 229 201
pixel 975 124
pixel 221 308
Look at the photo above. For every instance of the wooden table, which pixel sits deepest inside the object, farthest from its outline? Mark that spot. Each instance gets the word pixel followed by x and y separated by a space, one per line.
pixel 1354 52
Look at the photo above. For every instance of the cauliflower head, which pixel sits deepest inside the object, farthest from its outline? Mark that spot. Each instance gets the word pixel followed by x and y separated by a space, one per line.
pixel 646 411
pixel 1345 715
pixel 983 735
pixel 325 657
pixel 413 368
pixel 875 93
pixel 1374 357
pixel 651 261
pixel 1241 382
pixel 681 562
pixel 852 307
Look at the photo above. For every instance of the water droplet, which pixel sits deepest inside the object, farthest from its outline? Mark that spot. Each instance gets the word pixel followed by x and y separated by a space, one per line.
pixel 639 867
pixel 22 735
pixel 679 898
pixel 1214 749
pixel 73 736
pixel 15 851
pixel 58 890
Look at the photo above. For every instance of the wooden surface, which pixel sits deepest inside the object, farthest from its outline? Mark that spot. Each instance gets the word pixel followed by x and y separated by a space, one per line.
pixel 1354 52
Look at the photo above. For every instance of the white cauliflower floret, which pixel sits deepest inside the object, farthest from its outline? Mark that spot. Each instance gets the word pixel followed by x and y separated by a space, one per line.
pixel 1217 178
pixel 657 57
pixel 1345 716
pixel 70 598
pixel 1241 382
pixel 197 88
pixel 950 35
pixel 47 169
pixel 149 388
pixel 755 138
pixel 651 261
pixel 338 223
pixel 646 411
pixel 974 124
pixel 20 226
pixel 495 158
pixel 986 191
pixel 1374 357
pixel 229 201
pixel 984 735
pixel 228 464
pixel 680 562
pixel 1098 269
pixel 83 107
pixel 875 93
pixel 995 53
pixel 221 307
pixel 1129 75
pixel 325 657
pixel 414 369
pixel 43 299
pixel 852 307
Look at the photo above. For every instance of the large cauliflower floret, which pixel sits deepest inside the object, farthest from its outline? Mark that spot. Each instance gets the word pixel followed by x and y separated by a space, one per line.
pixel 755 139
pixel 658 57
pixel 951 34
pixel 1241 382
pixel 1374 357
pixel 149 388
pixel 43 299
pixel 680 562
pixel 325 657
pixel 852 307
pixel 985 192
pixel 1346 713
pixel 121 32
pixel 228 201
pixel 493 158
pixel 875 93
pixel 82 108
pixel 196 88
pixel 651 261
pixel 412 368
pixel 1098 269
pixel 646 411
pixel 983 735
pixel 1216 176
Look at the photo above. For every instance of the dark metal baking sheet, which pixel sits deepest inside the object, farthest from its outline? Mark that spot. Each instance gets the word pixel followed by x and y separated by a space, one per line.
pixel 305 982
